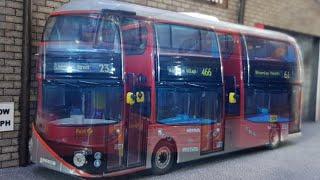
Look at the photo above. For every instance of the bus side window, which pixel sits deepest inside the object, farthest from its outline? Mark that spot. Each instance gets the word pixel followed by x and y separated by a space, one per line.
pixel 291 56
pixel 187 40
pixel 108 36
pixel 265 50
pixel 227 45
pixel 164 37
pixel 134 34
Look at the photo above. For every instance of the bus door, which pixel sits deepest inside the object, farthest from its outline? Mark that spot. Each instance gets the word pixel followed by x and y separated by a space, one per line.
pixel 137 58
pixel 230 47
pixel 137 113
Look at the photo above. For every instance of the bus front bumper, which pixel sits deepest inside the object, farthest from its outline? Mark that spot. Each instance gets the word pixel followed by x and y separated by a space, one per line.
pixel 42 154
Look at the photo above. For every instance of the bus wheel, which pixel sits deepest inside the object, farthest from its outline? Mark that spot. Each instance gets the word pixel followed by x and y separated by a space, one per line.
pixel 274 139
pixel 163 158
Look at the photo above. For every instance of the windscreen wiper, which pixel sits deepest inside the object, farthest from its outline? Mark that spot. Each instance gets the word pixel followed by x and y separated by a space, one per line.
pixel 63 82
pixel 195 85
pixel 88 82
pixel 185 83
pixel 169 84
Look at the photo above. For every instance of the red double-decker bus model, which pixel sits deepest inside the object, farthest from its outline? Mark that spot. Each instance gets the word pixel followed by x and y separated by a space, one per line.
pixel 124 88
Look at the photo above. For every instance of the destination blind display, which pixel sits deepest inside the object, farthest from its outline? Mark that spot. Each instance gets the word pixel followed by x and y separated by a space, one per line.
pixel 110 69
pixel 184 71
pixel 271 72
pixel 278 74
pixel 66 67
pixel 190 70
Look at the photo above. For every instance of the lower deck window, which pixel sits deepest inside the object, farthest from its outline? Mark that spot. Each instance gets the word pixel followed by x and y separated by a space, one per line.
pixel 268 105
pixel 180 106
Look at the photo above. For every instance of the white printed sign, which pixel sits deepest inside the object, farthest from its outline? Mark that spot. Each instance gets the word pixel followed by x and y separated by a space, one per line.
pixel 6 116
pixel 217 1
pixel 221 3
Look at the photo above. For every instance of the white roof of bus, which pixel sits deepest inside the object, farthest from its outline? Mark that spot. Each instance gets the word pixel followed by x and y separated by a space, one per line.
pixel 186 18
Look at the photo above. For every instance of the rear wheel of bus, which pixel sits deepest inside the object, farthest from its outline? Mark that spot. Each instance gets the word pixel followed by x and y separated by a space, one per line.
pixel 163 158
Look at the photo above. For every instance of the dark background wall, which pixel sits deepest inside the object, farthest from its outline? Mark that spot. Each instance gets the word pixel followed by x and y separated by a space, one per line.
pixel 10 74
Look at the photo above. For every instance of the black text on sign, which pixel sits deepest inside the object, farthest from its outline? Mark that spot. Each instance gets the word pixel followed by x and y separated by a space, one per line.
pixel 6 116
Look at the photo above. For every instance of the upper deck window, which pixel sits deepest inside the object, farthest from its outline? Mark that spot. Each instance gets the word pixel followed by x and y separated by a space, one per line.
pixel 227 45
pixel 134 33
pixel 83 31
pixel 82 46
pixel 186 40
pixel 260 49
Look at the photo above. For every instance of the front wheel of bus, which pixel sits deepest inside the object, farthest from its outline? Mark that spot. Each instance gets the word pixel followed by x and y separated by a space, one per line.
pixel 163 158
pixel 274 139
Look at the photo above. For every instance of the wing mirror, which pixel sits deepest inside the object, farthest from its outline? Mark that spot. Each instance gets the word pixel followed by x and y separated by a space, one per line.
pixel 232 98
pixel 140 97
pixel 130 98
pixel 230 84
pixel 133 98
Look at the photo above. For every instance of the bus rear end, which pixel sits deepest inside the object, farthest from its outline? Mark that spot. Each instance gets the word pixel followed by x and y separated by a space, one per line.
pixel 274 84
pixel 263 88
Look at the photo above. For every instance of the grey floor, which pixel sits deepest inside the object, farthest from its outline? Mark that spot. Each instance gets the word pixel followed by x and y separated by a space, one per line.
pixel 295 159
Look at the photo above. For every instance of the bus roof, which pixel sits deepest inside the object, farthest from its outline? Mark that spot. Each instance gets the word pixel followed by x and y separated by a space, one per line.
pixel 187 18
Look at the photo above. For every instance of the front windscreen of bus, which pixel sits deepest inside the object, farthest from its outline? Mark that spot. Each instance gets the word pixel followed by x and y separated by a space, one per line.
pixel 73 106
pixel 82 45
pixel 78 119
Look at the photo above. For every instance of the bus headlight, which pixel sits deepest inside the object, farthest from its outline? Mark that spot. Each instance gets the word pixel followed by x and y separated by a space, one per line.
pixel 97 163
pixel 79 159
pixel 97 155
pixel 216 133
